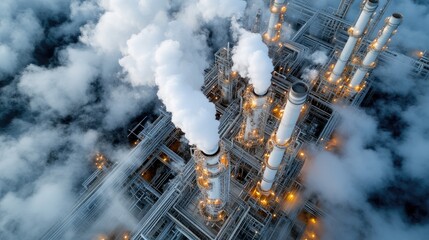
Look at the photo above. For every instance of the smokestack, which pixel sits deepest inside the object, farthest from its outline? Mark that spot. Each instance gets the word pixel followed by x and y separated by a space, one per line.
pixel 296 99
pixel 274 24
pixel 213 181
pixel 354 34
pixel 379 44
pixel 254 109
pixel 226 77
pixel 256 28
pixel 251 60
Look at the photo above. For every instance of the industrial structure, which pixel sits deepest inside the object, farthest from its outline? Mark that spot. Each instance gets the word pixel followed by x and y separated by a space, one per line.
pixel 249 186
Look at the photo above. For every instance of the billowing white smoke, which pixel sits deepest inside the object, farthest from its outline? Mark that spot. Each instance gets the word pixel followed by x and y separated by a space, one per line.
pixel 191 110
pixel 179 64
pixel 221 8
pixel 250 57
pixel 309 74
pixel 319 57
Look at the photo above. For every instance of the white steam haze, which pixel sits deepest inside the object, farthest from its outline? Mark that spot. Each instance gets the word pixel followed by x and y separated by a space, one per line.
pixel 317 58
pixel 251 60
pixel 74 73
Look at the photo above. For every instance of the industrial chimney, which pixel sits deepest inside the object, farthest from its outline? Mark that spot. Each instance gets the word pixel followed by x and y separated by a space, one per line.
pixel 379 44
pixel 296 99
pixel 212 170
pixel 226 77
pixel 255 109
pixel 274 25
pixel 354 34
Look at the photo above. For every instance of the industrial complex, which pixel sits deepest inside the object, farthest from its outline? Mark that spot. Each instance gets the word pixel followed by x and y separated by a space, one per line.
pixel 248 185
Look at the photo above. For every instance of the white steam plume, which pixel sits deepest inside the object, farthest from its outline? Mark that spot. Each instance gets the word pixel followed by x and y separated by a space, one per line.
pixel 179 73
pixel 319 57
pixel 191 110
pixel 309 74
pixel 250 57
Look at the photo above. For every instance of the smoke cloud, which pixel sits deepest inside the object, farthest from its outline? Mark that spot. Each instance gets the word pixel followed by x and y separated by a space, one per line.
pixel 319 57
pixel 250 57
pixel 179 73
pixel 195 117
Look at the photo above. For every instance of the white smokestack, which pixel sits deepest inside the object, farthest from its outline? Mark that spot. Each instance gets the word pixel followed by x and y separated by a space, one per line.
pixel 213 180
pixel 250 58
pixel 253 121
pixel 379 44
pixel 355 33
pixel 212 160
pixel 274 25
pixel 296 99
pixel 191 110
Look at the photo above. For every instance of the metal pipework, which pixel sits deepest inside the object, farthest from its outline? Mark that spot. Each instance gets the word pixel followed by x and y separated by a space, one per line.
pixel 273 25
pixel 379 44
pixel 213 181
pixel 355 33
pixel 296 99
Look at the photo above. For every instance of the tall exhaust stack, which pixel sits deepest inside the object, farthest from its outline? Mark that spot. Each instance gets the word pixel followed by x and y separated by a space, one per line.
pixel 296 99
pixel 354 34
pixel 277 8
pixel 379 44
pixel 255 107
pixel 226 77
pixel 212 170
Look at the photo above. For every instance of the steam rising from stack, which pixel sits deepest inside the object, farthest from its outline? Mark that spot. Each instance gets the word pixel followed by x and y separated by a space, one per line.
pixel 251 60
pixel 191 110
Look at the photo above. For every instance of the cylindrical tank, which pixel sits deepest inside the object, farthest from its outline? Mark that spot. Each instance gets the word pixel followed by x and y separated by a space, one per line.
pixel 212 170
pixel 276 10
pixel 253 121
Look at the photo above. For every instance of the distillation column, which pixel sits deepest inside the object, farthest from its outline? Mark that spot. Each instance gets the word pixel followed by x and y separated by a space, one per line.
pixel 274 25
pixel 354 34
pixel 255 107
pixel 296 99
pixel 379 44
pixel 256 28
pixel 212 170
pixel 226 77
